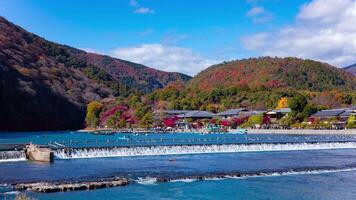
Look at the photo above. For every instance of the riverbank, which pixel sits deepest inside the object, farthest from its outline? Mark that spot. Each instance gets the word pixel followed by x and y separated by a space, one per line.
pixel 301 131
pixel 241 131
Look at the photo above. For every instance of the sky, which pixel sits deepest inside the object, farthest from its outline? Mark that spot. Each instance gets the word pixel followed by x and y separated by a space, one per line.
pixel 189 36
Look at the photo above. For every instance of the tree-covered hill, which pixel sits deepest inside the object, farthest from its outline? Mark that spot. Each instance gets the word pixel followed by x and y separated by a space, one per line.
pixel 274 73
pixel 46 86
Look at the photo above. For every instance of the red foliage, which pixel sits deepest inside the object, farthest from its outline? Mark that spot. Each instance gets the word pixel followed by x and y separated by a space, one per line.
pixel 225 123
pixel 170 122
pixel 266 119
pixel 239 121
pixel 112 111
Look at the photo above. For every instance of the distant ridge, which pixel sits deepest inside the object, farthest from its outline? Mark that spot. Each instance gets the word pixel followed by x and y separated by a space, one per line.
pixel 274 73
pixel 351 69
pixel 46 86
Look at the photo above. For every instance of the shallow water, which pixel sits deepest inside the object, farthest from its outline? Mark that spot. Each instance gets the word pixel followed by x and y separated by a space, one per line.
pixel 295 172
pixel 308 187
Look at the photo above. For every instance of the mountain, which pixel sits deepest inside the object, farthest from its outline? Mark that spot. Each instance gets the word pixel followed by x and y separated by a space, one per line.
pixel 274 73
pixel 351 69
pixel 46 86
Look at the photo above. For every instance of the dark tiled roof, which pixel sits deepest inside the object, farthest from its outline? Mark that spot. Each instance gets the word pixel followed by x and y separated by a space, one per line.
pixel 197 114
pixel 347 113
pixel 282 110
pixel 231 112
pixel 250 113
pixel 173 112
pixel 328 113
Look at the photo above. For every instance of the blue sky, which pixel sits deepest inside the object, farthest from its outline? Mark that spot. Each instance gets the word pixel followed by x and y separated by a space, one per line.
pixel 188 36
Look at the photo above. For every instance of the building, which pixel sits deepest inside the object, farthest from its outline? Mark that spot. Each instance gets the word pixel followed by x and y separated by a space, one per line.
pixel 337 117
pixel 326 115
pixel 197 114
pixel 230 113
pixel 163 114
pixel 278 113
pixel 244 114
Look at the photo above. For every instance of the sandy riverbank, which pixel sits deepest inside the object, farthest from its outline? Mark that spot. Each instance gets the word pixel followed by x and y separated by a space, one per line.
pixel 300 131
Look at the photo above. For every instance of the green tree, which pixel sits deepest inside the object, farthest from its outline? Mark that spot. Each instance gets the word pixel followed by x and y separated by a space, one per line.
pixel 308 110
pixel 93 114
pixel 147 120
pixel 298 103
pixel 253 121
pixel 121 123
pixel 351 121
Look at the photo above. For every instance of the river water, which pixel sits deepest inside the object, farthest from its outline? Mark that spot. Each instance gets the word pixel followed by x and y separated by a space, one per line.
pixel 271 166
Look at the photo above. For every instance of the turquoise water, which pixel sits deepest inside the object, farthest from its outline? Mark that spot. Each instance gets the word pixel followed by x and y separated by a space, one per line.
pixel 272 166
pixel 309 187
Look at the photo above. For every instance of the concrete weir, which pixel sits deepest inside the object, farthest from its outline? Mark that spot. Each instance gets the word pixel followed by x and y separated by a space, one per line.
pixel 36 153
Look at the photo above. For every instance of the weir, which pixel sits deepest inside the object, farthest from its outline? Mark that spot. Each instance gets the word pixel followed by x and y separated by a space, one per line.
pixel 113 148
pixel 99 152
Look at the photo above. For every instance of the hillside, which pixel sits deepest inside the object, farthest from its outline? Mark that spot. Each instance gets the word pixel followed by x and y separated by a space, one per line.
pixel 351 69
pixel 46 86
pixel 274 73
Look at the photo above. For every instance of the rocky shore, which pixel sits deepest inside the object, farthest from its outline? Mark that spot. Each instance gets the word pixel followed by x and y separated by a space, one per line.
pixel 46 187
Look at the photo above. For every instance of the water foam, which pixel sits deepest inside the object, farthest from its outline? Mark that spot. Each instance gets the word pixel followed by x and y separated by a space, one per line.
pixel 195 149
pixel 218 177
pixel 184 180
pixel 12 156
pixel 293 173
pixel 146 181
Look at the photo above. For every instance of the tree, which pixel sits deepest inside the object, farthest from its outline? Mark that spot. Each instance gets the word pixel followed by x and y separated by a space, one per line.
pixel 351 121
pixel 93 111
pixel 147 120
pixel 282 103
pixel 298 103
pixel 308 110
pixel 253 121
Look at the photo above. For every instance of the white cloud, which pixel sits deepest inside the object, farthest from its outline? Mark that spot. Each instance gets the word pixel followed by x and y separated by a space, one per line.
pixel 166 58
pixel 324 30
pixel 259 14
pixel 90 50
pixel 144 10
pixel 140 9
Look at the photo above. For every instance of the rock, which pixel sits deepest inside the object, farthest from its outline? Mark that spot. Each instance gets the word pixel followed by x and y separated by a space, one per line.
pixel 45 187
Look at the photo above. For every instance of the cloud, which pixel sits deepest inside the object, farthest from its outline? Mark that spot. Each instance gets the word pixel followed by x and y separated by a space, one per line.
pixel 144 10
pixel 259 14
pixel 90 50
pixel 166 58
pixel 323 30
pixel 140 9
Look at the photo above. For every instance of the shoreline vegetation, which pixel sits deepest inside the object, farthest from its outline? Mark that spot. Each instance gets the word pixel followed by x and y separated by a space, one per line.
pixel 231 131
pixel 145 116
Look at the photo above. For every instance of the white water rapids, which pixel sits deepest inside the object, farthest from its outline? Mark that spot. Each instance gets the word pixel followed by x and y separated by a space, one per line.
pixel 195 149
pixel 72 153
pixel 12 156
